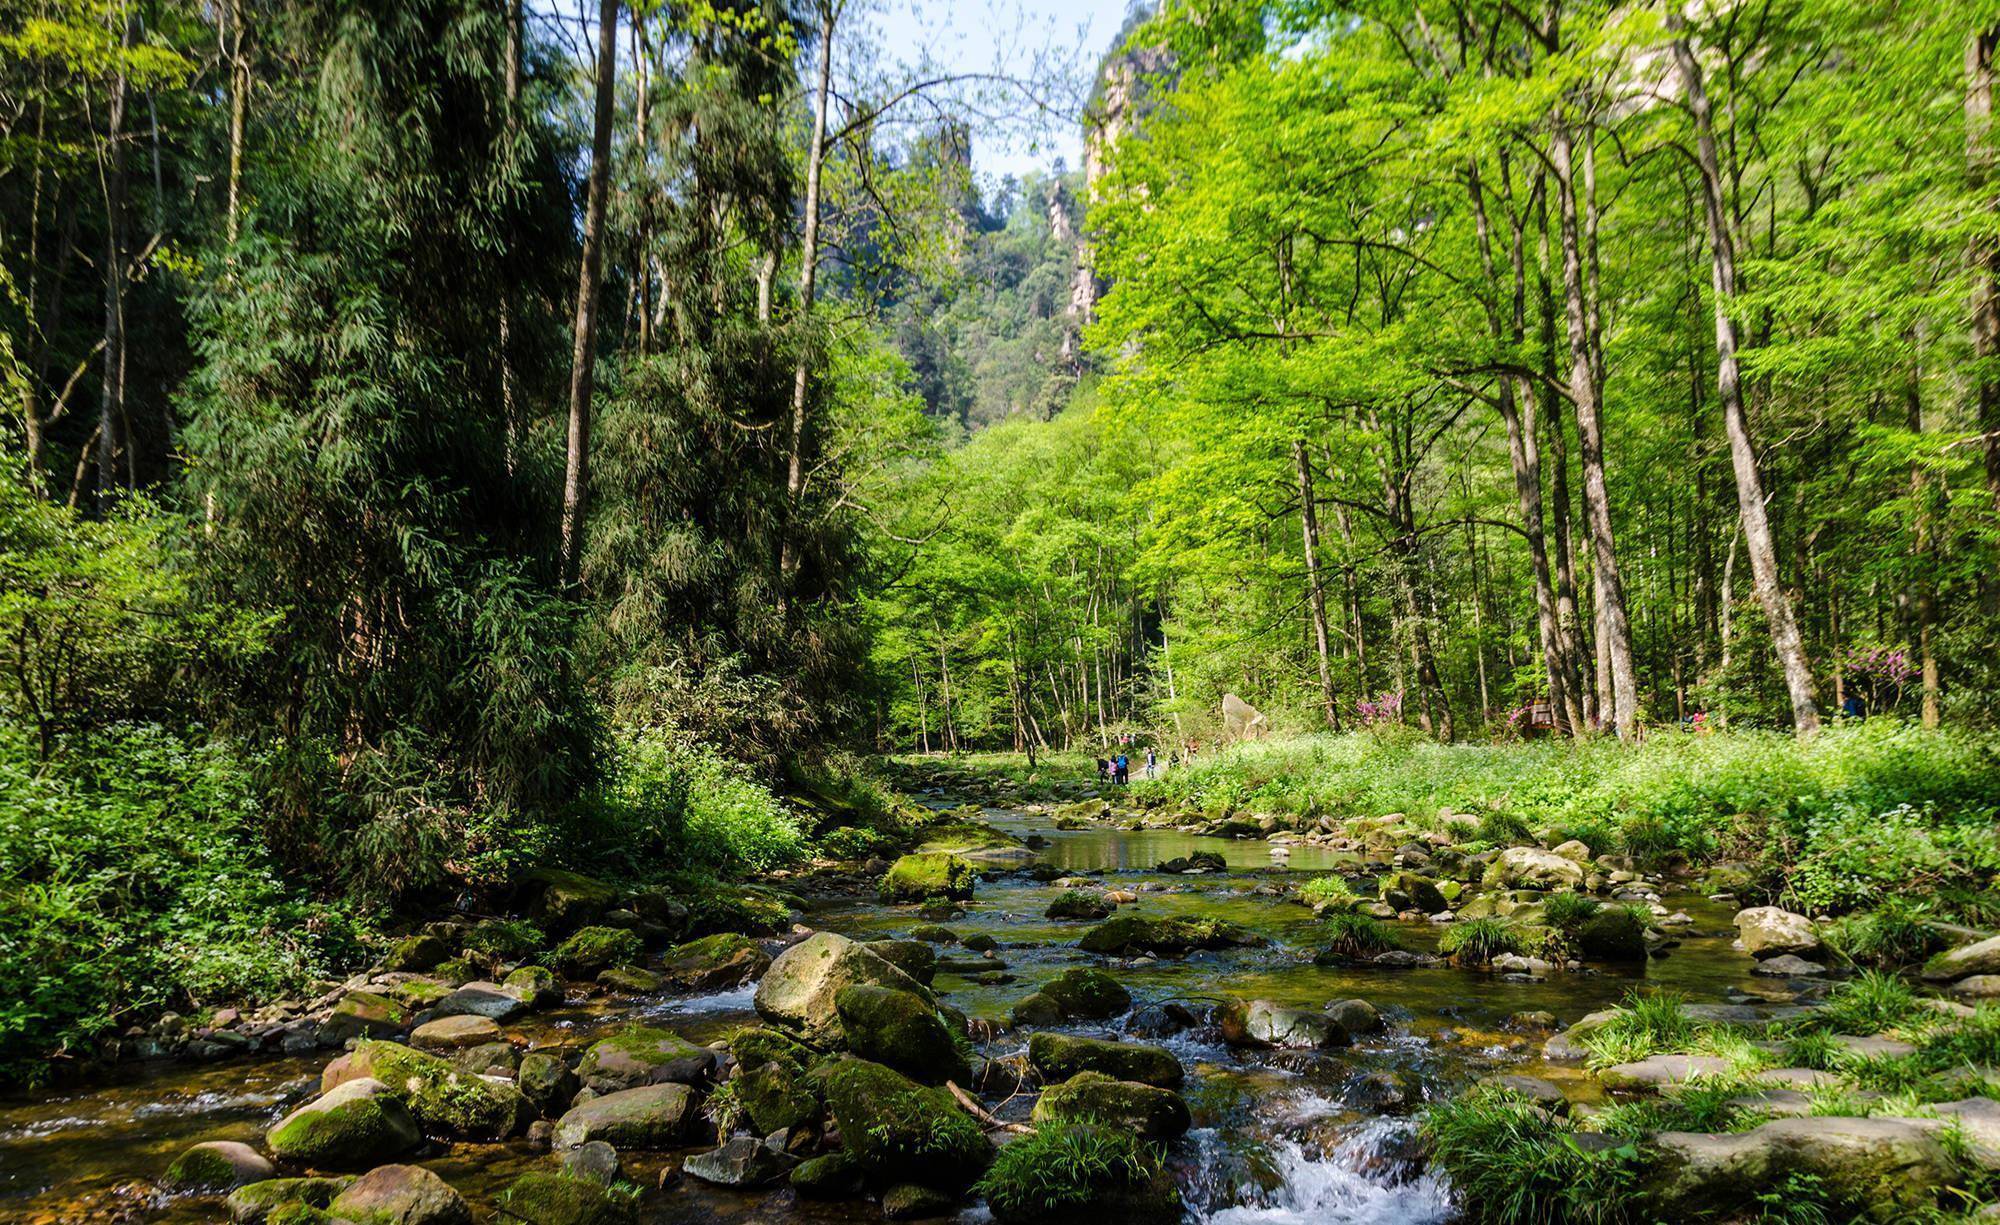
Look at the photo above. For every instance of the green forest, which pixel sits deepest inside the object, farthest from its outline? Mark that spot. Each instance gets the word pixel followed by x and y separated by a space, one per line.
pixel 582 505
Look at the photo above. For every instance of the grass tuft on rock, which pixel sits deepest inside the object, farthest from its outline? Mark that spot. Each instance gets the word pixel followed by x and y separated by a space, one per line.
pixel 1078 1172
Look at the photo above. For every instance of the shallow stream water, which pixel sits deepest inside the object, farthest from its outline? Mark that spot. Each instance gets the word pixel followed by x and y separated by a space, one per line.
pixel 1279 1137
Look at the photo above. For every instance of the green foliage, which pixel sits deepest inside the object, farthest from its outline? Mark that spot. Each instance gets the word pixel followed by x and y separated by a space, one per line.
pixel 1329 892
pixel 1869 1003
pixel 1063 1168
pixel 134 880
pixel 1353 937
pixel 1511 1164
pixel 1504 829
pixel 1569 911
pixel 1476 942
pixel 682 806
pixel 1645 1024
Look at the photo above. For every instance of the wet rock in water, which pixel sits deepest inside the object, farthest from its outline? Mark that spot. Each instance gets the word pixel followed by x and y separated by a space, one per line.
pixel 1530 1022
pixel 1087 994
pixel 980 942
pixel 1614 933
pixel 1657 1072
pixel 1199 862
pixel 455 1033
pixel 218 1165
pixel 593 1160
pixel 1173 936
pixel 909 1201
pixel 1377 1092
pixel 534 986
pixel 400 1195
pixel 835 1175
pixel 1965 961
pixel 1162 1020
pixel 743 1161
pixel 1891 1168
pixel 649 1118
pixel 1060 1056
pixel 714 963
pixel 1768 931
pixel 969 967
pixel 913 957
pixel 775 1098
pixel 541 1198
pixel 1787 965
pixel 901 1030
pixel 1354 1016
pixel 481 999
pixel 252 1203
pixel 797 993
pixel 1079 904
pixel 1263 1023
pixel 925 875
pixel 1530 867
pixel 637 1055
pixel 1402 959
pixel 1035 1008
pixel 416 954
pixel 631 980
pixel 1532 1089
pixel 444 1100
pixel 360 1123
pixel 933 933
pixel 901 1131
pixel 1407 890
pixel 363 1014
pixel 1145 1110
pixel 489 1059
pixel 592 950
pixel 546 1081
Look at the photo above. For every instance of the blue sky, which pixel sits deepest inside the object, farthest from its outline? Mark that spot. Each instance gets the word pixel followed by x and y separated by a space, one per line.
pixel 972 35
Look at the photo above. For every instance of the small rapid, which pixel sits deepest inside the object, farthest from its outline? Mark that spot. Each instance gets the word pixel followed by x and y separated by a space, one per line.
pixel 1361 1180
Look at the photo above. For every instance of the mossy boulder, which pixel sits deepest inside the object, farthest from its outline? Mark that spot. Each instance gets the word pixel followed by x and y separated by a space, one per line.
pixel 1144 1110
pixel 630 980
pixel 909 1201
pixel 505 939
pixel 1079 904
pixel 925 875
pixel 593 950
pixel 416 954
pixel 797 993
pixel 543 1198
pixel 1407 890
pixel 714 963
pixel 253 1203
pixel 480 998
pixel 1035 1008
pixel 458 971
pixel 444 1100
pixel 400 1195
pixel 637 1055
pixel 359 1124
pixel 455 1033
pixel 420 993
pixel 1087 994
pixel 218 1165
pixel 1079 1174
pixel 650 1118
pixel 1171 936
pixel 546 1081
pixel 1614 933
pixel 933 933
pixel 535 986
pixel 757 1045
pixel 775 1097
pixel 1980 957
pixel 912 957
pixel 1882 1169
pixel 1060 1056
pixel 295 1212
pixel 364 1014
pixel 900 1131
pixel 832 1176
pixel 565 901
pixel 901 1030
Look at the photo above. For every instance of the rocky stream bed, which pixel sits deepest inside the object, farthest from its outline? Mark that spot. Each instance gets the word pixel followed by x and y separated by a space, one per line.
pixel 1282 1083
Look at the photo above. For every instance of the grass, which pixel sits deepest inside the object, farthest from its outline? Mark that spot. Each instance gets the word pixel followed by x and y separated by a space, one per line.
pixel 1897 933
pixel 1064 1168
pixel 1511 1164
pixel 1356 937
pixel 1330 892
pixel 1569 911
pixel 1476 942
pixel 1645 1025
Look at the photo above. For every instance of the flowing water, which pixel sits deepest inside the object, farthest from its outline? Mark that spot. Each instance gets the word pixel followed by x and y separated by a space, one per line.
pixel 1279 1137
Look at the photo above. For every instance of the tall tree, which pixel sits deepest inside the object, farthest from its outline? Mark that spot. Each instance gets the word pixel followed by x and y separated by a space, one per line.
pixel 583 354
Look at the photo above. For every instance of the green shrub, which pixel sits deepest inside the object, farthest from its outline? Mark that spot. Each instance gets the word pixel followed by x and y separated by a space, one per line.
pixel 682 806
pixel 1504 829
pixel 1356 937
pixel 1476 942
pixel 1868 1003
pixel 1067 1171
pixel 1896 933
pixel 1329 892
pixel 1569 911
pixel 853 842
pixel 1644 1025
pixel 1511 1164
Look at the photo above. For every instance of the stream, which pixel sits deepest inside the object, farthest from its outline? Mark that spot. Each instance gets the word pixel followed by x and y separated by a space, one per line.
pixel 1279 1136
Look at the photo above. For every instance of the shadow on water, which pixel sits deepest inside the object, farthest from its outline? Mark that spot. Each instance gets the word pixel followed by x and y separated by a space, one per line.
pixel 1279 1137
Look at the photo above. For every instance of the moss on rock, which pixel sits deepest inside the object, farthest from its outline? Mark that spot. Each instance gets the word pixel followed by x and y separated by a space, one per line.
pixel 1061 1056
pixel 1087 994
pixel 901 1131
pixel 926 875
pixel 1144 1110
pixel 1079 1174
pixel 359 1124
pixel 541 1198
pixel 901 1030
pixel 635 1055
pixel 594 949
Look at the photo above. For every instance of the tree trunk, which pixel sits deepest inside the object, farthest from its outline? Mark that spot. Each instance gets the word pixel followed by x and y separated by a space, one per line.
pixel 113 445
pixel 795 473
pixel 1615 636
pixel 510 408
pixel 1924 556
pixel 239 108
pixel 1742 451
pixel 1985 253
pixel 1581 708
pixel 583 358
pixel 1315 590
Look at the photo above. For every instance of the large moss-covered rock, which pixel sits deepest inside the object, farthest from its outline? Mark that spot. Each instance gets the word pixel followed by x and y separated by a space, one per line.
pixel 218 1165
pixel 901 1030
pixel 1143 1110
pixel 925 875
pixel 653 1117
pixel 1771 931
pixel 455 1033
pixel 901 1131
pixel 977 842
pixel 541 1198
pixel 546 1081
pixel 1531 867
pixel 741 1161
pixel 775 1098
pixel 797 993
pixel 631 980
pixel 714 963
pixel 1080 1174
pixel 359 1124
pixel 416 954
pixel 534 986
pixel 1614 933
pixel 1263 1023
pixel 1087 994
pixel 565 901
pixel 1406 890
pixel 1885 1168
pixel 643 1055
pixel 912 957
pixel 444 1100
pixel 756 1045
pixel 592 950
pixel 480 998
pixel 364 1014
pixel 1060 1056
pixel 1981 957
pixel 1079 904
pixel 1172 936
pixel 834 1175
pixel 252 1203
pixel 400 1195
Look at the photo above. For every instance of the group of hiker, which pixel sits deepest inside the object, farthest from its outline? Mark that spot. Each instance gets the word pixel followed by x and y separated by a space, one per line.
pixel 1118 767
